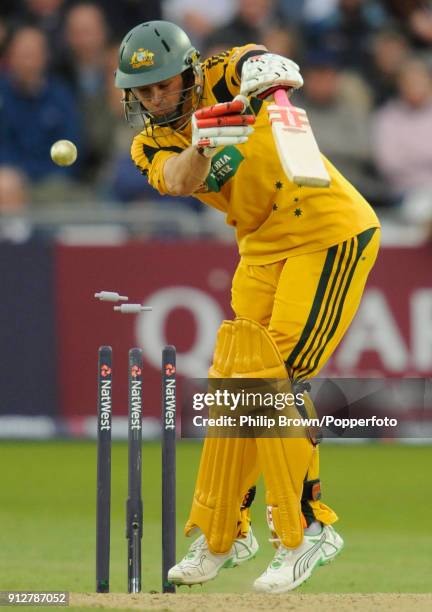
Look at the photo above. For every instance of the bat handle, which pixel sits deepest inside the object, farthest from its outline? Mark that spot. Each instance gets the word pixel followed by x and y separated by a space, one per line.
pixel 281 97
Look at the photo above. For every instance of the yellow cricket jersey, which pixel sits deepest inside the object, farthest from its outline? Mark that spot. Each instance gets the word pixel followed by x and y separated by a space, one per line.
pixel 273 217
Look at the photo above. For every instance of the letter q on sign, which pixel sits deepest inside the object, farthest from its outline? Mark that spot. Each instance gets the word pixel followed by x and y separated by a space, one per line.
pixel 207 314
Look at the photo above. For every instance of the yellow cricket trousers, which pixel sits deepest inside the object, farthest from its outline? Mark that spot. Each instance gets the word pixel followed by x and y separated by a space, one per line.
pixel 307 302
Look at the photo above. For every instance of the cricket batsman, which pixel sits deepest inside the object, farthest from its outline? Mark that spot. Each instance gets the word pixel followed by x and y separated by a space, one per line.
pixel 305 255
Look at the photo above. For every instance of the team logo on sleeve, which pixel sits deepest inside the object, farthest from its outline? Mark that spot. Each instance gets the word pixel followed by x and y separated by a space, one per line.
pixel 224 165
pixel 142 57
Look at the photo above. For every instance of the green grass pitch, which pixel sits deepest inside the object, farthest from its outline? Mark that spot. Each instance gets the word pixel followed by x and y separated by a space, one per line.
pixel 381 492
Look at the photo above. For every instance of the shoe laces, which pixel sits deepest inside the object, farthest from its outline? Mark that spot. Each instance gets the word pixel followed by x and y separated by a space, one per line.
pixel 191 554
pixel 280 556
pixel 198 544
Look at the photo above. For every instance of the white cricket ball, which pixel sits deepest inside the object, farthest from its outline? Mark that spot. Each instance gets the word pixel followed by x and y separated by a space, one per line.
pixel 64 153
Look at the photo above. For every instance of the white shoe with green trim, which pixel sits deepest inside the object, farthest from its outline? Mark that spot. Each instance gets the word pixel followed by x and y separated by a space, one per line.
pixel 291 567
pixel 200 564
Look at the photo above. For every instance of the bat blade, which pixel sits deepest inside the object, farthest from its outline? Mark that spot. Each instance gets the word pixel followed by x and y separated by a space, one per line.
pixel 296 145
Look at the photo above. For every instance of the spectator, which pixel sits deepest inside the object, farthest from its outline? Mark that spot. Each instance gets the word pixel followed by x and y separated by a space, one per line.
pixel 282 40
pixel 35 109
pixel 389 50
pixel 415 16
pixel 86 39
pixel 340 127
pixel 47 16
pixel 197 18
pixel 347 31
pixel 402 133
pixel 248 24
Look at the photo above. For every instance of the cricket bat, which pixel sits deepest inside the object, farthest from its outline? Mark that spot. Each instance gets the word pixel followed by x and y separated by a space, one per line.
pixel 296 145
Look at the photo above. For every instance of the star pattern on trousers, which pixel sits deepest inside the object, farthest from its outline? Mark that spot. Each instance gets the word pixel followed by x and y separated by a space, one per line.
pixel 278 185
pixel 298 212
pixel 275 206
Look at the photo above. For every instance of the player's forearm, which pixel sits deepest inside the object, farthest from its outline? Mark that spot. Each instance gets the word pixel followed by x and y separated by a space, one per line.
pixel 185 173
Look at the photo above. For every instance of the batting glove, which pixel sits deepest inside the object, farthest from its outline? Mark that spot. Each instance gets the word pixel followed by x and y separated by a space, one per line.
pixel 221 125
pixel 263 74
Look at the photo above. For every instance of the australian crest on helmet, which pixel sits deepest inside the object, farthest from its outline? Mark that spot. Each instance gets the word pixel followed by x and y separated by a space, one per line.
pixel 142 57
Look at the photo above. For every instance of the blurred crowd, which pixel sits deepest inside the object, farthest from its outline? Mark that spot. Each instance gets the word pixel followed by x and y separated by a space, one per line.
pixel 367 66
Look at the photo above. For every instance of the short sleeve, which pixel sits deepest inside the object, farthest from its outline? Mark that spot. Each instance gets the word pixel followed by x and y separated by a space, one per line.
pixel 150 161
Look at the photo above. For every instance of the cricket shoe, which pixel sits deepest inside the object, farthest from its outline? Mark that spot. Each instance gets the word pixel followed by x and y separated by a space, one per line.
pixel 291 567
pixel 245 549
pixel 200 564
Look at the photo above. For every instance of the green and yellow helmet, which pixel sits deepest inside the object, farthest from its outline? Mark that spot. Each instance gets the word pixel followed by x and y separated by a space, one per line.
pixel 152 52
